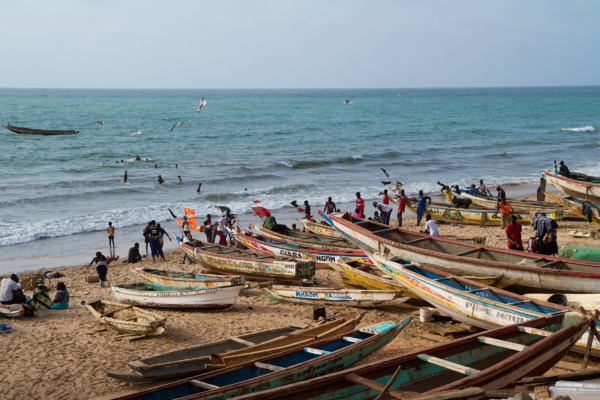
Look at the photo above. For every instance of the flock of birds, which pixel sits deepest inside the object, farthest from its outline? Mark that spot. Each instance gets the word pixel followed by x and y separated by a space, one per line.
pixel 202 104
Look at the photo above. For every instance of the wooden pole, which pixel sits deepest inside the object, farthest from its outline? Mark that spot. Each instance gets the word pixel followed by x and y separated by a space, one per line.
pixel 389 384
pixel 591 336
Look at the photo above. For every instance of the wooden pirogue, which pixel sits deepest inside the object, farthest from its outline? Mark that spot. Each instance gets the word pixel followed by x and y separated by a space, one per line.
pixel 337 297
pixel 195 359
pixel 307 239
pixel 473 303
pixel 586 210
pixel 321 358
pixel 582 186
pixel 250 263
pixel 537 272
pixel 126 318
pixel 28 131
pixel 488 360
pixel 188 279
pixel 319 227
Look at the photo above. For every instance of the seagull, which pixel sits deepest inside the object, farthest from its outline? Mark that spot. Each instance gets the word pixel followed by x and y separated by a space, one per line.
pixel 100 123
pixel 139 132
pixel 202 103
pixel 179 124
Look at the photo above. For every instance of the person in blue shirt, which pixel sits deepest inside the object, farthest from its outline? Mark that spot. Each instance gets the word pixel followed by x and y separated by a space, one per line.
pixel 421 206
pixel 472 189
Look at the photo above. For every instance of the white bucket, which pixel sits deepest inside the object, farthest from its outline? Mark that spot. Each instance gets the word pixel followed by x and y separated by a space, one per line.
pixel 42 313
pixel 426 314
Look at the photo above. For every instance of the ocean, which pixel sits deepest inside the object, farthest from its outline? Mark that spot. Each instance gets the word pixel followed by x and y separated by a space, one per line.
pixel 59 192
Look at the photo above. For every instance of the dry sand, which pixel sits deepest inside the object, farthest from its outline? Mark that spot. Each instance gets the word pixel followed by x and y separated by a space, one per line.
pixel 60 356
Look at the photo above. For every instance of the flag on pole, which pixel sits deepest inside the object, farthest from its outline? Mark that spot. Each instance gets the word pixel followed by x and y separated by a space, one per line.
pixel 261 212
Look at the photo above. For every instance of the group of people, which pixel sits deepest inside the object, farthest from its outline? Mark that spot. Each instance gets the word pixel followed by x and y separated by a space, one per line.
pixel 11 293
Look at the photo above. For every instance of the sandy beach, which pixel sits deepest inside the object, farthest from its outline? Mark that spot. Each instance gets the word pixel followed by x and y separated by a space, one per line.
pixel 62 355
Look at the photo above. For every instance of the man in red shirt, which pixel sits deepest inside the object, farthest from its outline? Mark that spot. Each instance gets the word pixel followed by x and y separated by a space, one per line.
pixel 513 234
pixel 386 199
pixel 401 207
pixel 360 204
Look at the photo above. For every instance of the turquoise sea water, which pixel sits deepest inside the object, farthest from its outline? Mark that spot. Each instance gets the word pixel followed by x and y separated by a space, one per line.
pixel 272 145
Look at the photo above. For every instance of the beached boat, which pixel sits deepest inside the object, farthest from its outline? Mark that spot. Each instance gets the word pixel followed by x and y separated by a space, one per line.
pixel 578 185
pixel 586 210
pixel 321 257
pixel 473 303
pixel 193 360
pixel 319 227
pixel 250 263
pixel 523 205
pixel 337 297
pixel 126 318
pixel 11 310
pixel 28 131
pixel 306 239
pixel 321 358
pixel 488 360
pixel 155 295
pixel 188 279
pixel 301 338
pixel 537 272
pixel 574 300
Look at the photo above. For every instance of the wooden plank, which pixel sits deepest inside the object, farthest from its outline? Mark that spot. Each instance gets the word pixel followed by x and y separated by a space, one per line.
pixel 450 394
pixel 316 351
pixel 203 385
pixel 270 367
pixel 471 251
pixel 502 343
pixel 242 341
pixel 534 331
pixel 448 364
pixel 351 339
pixel 575 376
pixel 483 219
pixel 374 385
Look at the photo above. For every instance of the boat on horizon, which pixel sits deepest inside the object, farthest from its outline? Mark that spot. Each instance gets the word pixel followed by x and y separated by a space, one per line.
pixel 29 131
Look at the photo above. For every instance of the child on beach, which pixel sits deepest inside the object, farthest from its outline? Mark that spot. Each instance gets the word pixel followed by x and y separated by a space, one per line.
pixel 111 236
pixel 101 266
pixel 61 298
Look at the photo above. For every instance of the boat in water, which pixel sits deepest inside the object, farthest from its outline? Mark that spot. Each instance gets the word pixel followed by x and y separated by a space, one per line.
pixel 28 131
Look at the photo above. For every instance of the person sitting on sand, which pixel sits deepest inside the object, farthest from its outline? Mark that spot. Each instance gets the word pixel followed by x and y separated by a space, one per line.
pixel 431 227
pixel 10 291
pixel 134 255
pixel 61 298
pixel 376 217
pixel 357 214
pixel 41 299
pixel 160 180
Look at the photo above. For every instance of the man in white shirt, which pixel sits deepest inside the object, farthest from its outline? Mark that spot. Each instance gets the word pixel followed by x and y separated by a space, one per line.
pixel 386 211
pixel 9 290
pixel 431 227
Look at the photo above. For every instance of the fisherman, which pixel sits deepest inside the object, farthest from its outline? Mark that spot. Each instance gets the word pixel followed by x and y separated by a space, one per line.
pixel 482 188
pixel 431 227
pixel 385 210
pixel 153 234
pixel 448 193
pixel 360 204
pixel 208 228
pixel 329 206
pixel 513 234
pixel 221 230
pixel 472 189
pixel 505 209
pixel 10 292
pixel 307 214
pixel 386 198
pixel 421 206
pixel 501 194
pixel 563 170
pixel 401 207
pixel 272 225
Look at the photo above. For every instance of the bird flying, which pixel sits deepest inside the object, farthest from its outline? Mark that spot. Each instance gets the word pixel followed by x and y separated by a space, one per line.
pixel 139 132
pixel 202 103
pixel 179 124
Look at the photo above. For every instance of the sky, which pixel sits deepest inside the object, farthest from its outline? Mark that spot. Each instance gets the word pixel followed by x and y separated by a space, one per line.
pixel 196 44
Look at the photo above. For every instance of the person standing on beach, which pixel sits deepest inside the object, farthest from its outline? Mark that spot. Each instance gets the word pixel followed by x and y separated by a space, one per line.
pixel 386 198
pixel 329 206
pixel 360 204
pixel 147 235
pixel 307 214
pixel 401 207
pixel 111 238
pixel 505 210
pixel 501 194
pixel 185 227
pixel 449 196
pixel 421 206
pixel 221 230
pixel 101 266
pixel 385 210
pixel 513 234
pixel 208 228
pixel 161 234
pixel 153 235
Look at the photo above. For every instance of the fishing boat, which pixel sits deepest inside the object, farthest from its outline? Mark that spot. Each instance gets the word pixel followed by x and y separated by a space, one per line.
pixel 475 364
pixel 27 131
pixel 321 257
pixel 586 210
pixel 321 358
pixel 306 239
pixel 250 263
pixel 524 205
pixel 126 318
pixel 193 360
pixel 587 301
pixel 578 185
pixel 11 310
pixel 471 302
pixel 337 297
pixel 289 341
pixel 538 273
pixel 155 295
pixel 188 279
pixel 319 227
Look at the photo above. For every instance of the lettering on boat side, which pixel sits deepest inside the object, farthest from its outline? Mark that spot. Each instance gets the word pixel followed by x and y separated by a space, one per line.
pixel 317 257
pixel 308 295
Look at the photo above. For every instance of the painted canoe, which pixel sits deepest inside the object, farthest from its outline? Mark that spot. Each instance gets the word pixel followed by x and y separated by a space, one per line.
pixel 193 360
pixel 320 228
pixel 301 338
pixel 473 216
pixel 321 257
pixel 306 239
pixel 188 279
pixel 586 210
pixel 369 276
pixel 321 358
pixel 473 303
pixel 154 295
pixel 250 263
pixel 538 273
pixel 523 205
pixel 126 319
pixel 11 310
pixel 582 186
pixel 337 297
pixel 488 360
pixel 587 301
pixel 28 131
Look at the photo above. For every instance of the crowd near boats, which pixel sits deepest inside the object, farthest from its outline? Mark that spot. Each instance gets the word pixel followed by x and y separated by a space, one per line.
pixel 516 331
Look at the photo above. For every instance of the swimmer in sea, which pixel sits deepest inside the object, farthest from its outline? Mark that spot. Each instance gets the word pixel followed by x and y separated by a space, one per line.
pixel 137 158
pixel 180 180
pixel 160 180
pixel 125 177
pixel 199 186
